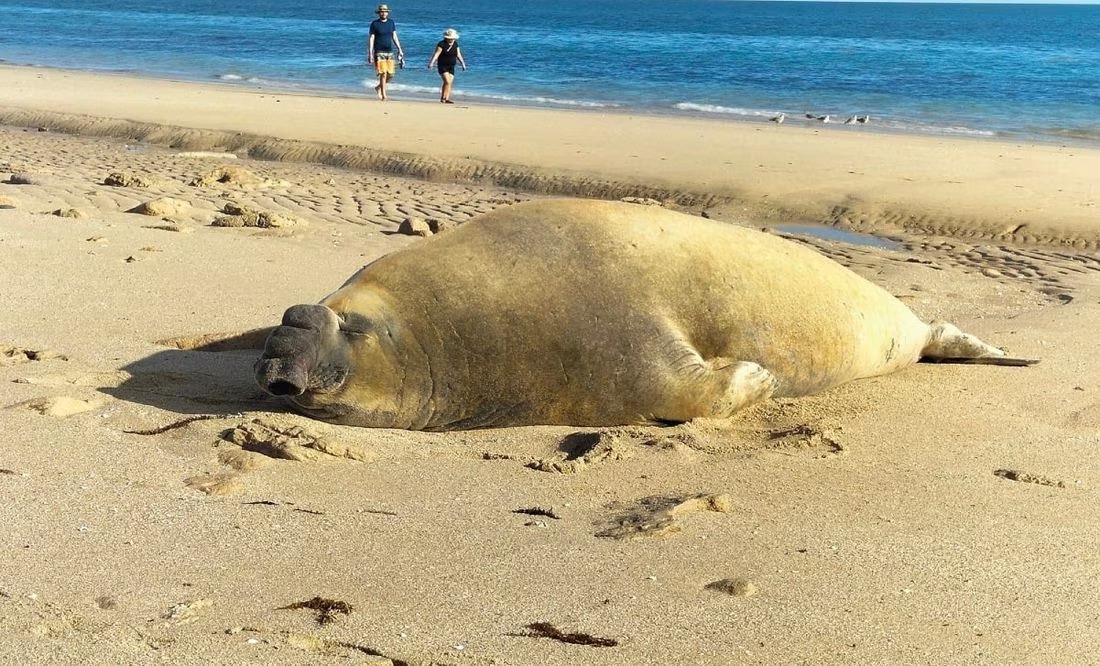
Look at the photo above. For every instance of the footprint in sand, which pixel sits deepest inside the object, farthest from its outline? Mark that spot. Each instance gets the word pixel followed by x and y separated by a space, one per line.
pixel 264 439
pixel 734 587
pixel 185 612
pixel 803 437
pixel 660 516
pixel 582 449
pixel 76 378
pixel 285 438
pixel 10 355
pixel 224 483
pixel 58 407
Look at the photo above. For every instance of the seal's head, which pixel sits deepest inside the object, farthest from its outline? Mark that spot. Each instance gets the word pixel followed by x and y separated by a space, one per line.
pixel 331 366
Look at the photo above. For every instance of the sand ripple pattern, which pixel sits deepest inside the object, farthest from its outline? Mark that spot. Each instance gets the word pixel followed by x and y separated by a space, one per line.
pixel 329 196
pixel 1050 272
pixel 856 219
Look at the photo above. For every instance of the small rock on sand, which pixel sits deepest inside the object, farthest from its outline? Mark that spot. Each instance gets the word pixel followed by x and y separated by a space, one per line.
pixel 162 207
pixel 118 179
pixel 27 178
pixel 439 226
pixel 240 216
pixel 226 175
pixel 414 226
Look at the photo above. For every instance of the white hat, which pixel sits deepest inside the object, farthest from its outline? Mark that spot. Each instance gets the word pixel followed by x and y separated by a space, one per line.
pixel 382 8
pixel 450 33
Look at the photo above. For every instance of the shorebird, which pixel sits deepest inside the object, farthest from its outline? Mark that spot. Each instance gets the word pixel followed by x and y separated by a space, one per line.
pixel 857 120
pixel 778 120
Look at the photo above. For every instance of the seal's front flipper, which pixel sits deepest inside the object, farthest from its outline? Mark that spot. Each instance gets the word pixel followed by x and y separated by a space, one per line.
pixel 748 384
pixel 726 387
pixel 947 344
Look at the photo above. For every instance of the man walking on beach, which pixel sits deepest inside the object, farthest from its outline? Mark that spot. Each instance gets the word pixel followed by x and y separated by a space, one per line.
pixel 383 38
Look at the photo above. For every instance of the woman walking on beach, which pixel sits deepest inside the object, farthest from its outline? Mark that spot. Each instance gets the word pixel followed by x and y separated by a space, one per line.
pixel 447 54
pixel 383 37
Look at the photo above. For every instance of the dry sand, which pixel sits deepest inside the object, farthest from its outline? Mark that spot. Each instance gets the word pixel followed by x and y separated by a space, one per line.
pixel 943 514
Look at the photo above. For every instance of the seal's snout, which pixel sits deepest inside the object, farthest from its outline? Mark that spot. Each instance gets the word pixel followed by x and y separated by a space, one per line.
pixel 292 351
pixel 316 317
pixel 280 378
pixel 282 387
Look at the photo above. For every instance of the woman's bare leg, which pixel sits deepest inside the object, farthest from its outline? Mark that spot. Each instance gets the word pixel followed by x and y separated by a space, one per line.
pixel 448 80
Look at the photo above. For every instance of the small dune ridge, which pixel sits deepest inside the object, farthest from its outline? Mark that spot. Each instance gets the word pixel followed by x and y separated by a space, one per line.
pixel 426 167
pixel 851 213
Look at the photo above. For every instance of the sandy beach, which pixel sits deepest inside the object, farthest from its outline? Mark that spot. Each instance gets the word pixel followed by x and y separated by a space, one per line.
pixel 158 506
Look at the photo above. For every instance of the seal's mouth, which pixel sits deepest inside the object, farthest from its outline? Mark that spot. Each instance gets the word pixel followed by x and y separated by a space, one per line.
pixel 333 412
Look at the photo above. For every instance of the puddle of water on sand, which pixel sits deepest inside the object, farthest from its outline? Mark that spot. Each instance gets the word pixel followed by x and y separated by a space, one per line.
pixel 834 234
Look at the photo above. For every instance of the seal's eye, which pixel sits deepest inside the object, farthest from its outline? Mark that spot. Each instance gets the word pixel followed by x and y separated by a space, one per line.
pixel 355 324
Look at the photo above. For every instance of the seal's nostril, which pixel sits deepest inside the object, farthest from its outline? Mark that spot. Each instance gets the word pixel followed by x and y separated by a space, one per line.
pixel 283 387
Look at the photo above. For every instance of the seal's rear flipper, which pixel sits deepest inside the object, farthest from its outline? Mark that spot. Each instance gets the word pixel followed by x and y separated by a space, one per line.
pixel 947 344
pixel 984 360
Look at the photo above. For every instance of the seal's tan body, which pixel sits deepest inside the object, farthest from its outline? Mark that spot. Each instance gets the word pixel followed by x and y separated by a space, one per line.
pixel 596 313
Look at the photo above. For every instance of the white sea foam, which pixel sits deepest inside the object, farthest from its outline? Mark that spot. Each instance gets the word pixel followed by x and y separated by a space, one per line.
pixel 954 130
pixel 727 110
pixel 473 95
pixel 402 87
pixel 966 131
pixel 257 81
pixel 540 100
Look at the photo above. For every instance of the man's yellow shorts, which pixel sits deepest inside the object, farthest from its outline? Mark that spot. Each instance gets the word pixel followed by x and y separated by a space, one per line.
pixel 383 63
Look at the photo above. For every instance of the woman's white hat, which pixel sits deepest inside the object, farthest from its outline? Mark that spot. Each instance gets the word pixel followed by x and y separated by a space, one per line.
pixel 450 33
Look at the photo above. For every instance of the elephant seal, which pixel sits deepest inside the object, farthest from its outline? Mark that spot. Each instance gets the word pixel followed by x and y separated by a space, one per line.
pixel 591 313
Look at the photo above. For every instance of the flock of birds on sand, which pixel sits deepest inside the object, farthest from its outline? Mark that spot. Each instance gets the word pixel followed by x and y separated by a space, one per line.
pixel 852 120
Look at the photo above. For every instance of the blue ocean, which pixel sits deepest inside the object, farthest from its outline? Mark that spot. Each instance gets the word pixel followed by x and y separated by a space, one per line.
pixel 1023 71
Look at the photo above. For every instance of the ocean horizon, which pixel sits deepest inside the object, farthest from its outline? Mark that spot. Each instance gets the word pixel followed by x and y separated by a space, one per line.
pixel 1029 72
